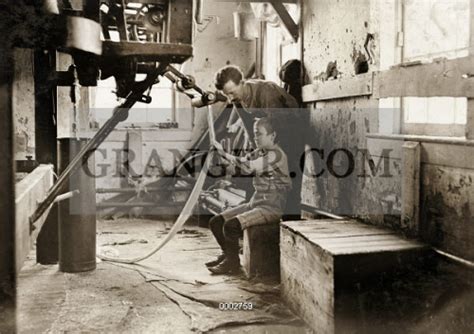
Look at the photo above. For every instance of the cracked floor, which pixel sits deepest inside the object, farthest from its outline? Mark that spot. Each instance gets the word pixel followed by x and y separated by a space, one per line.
pixel 171 292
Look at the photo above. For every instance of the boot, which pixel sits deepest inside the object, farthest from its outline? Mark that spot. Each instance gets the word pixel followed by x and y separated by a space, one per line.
pixel 215 262
pixel 230 265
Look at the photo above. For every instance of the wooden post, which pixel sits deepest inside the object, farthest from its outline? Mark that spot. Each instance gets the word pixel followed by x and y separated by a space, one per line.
pixel 470 102
pixel 7 195
pixel 46 152
pixel 411 187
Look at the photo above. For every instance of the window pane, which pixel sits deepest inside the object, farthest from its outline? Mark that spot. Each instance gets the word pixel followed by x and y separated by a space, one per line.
pixel 433 29
pixel 159 110
pixel 436 28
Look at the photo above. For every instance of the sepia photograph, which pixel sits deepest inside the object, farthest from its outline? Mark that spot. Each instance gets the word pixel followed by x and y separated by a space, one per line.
pixel 222 166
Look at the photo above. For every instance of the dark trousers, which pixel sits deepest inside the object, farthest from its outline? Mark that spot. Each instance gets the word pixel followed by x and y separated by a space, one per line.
pixel 227 234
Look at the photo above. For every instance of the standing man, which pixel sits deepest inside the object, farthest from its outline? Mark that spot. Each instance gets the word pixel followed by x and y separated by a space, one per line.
pixel 260 98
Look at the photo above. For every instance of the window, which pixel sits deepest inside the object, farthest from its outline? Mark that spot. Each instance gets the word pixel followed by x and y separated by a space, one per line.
pixel 430 29
pixel 160 110
pixel 277 51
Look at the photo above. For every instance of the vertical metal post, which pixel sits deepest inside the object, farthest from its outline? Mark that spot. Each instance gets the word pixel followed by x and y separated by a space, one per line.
pixel 47 242
pixel 77 219
pixel 259 49
pixel 7 195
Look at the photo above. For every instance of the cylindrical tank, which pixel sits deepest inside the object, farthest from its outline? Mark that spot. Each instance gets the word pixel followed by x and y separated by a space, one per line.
pixel 77 215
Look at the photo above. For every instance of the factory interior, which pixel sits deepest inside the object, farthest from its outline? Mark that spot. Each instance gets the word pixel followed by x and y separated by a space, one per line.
pixel 136 144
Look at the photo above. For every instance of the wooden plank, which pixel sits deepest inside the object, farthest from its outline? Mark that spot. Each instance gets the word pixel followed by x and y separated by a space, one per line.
pixel 470 102
pixel 411 156
pixel 342 230
pixel 315 236
pixel 307 281
pixel 354 240
pixel 457 153
pixel 29 191
pixel 440 78
pixel 148 51
pixel 376 249
pixel 285 17
pixel 360 85
pixel 448 155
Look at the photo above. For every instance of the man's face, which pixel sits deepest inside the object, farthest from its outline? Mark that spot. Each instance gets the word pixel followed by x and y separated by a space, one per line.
pixel 262 138
pixel 233 91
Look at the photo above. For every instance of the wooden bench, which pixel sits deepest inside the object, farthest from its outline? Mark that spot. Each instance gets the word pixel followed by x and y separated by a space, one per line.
pixel 321 257
pixel 261 251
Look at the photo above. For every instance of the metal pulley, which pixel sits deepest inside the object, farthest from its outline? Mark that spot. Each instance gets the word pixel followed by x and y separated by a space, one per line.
pixel 154 19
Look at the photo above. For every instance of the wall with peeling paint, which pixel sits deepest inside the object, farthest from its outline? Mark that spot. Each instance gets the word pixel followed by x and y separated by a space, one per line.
pixel 24 104
pixel 339 129
pixel 447 219
pixel 335 32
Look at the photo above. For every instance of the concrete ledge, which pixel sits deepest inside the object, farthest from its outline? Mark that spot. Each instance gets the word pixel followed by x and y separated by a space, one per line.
pixel 29 191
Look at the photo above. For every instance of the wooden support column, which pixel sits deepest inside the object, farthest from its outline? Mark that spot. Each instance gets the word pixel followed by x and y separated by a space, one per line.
pixel 285 17
pixel 46 152
pixel 411 156
pixel 7 195
pixel 470 102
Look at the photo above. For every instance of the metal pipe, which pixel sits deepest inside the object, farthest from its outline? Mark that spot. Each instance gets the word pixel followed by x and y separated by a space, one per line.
pixel 213 201
pixel 66 196
pixel 205 206
pixel 455 258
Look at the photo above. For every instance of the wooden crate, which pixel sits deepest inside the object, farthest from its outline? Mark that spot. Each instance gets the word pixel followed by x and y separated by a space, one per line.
pixel 319 258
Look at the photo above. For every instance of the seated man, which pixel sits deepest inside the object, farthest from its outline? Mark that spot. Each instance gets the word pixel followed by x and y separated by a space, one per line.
pixel 271 182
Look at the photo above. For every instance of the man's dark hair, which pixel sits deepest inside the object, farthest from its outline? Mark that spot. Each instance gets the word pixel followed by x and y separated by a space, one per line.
pixel 226 74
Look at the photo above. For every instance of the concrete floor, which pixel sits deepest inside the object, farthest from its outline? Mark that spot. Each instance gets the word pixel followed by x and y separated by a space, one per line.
pixel 172 292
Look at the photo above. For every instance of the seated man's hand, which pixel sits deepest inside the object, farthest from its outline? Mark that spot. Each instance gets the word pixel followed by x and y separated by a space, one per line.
pixel 218 147
pixel 233 128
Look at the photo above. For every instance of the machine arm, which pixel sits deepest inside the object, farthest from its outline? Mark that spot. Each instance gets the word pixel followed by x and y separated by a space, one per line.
pixel 120 114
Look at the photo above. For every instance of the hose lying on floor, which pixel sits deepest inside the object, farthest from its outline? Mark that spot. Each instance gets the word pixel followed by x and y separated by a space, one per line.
pixel 185 213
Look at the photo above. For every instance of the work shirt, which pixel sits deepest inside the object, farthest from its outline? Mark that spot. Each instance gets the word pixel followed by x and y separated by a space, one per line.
pixel 259 96
pixel 271 182
pixel 271 177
